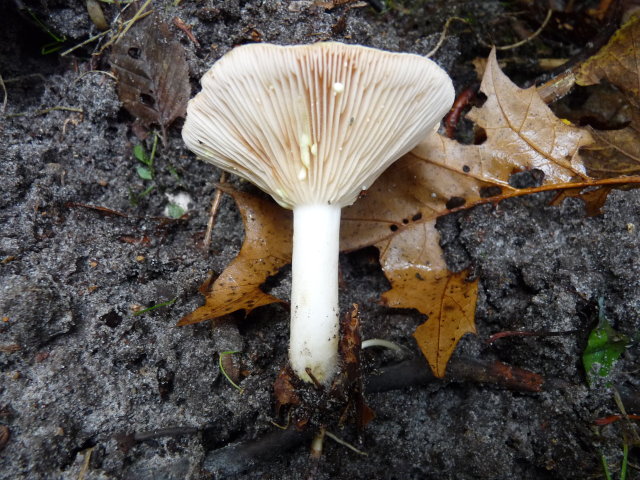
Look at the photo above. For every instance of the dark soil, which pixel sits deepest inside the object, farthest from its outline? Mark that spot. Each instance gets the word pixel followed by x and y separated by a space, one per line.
pixel 80 370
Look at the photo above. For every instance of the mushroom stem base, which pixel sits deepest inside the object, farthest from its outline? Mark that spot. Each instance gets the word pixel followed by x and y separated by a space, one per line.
pixel 314 292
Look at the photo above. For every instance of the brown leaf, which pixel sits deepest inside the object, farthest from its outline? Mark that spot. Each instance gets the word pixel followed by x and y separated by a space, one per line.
pixel 616 62
pixel 350 348
pixel 616 152
pixel 266 248
pixel 522 133
pixel 452 304
pixel 152 71
pixel 411 192
pixel 284 391
pixel 398 213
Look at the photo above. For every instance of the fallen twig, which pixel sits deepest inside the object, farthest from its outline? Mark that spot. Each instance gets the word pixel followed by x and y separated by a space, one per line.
pixel 116 33
pixel 416 372
pixel 514 333
pixel 87 41
pixel 614 418
pixel 177 21
pixel 47 110
pixel 213 213
pixel 102 210
pixel 128 440
pixel 495 199
pixel 139 15
pixel 108 74
pixel 238 457
pixel 345 444
pixel 114 213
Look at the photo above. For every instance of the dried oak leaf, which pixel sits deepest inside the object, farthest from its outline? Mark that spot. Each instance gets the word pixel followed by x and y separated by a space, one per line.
pixel 399 212
pixel 152 71
pixel 616 152
pixel 266 248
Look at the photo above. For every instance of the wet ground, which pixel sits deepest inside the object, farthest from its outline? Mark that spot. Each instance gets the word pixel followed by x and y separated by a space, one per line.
pixel 79 369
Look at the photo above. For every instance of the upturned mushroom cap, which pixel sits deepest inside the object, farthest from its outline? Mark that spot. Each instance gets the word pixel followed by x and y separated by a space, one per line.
pixel 314 124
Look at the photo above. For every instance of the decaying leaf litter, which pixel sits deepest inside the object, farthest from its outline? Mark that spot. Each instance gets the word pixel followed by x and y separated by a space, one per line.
pixel 153 80
pixel 177 310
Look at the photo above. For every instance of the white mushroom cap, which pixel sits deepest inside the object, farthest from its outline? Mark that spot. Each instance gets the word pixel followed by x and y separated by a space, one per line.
pixel 314 124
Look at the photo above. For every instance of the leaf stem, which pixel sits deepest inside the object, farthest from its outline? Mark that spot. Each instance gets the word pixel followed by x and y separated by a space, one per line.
pixel 625 462
pixel 159 305
pixel 605 467
pixel 543 188
pixel 220 357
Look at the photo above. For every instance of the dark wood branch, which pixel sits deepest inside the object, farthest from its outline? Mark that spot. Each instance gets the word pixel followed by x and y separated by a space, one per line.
pixel 416 372
pixel 239 457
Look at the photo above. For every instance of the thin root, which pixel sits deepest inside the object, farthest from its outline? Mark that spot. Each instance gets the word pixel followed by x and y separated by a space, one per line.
pixel 47 110
pixel 317 443
pixel 345 444
pixel 108 74
pixel 531 37
pixel 443 35
pixel 380 342
pixel 282 427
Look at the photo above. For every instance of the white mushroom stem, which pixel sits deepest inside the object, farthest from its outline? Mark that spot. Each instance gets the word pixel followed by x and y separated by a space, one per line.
pixel 312 125
pixel 314 291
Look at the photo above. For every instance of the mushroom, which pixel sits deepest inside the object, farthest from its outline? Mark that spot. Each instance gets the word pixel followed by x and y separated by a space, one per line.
pixel 313 126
